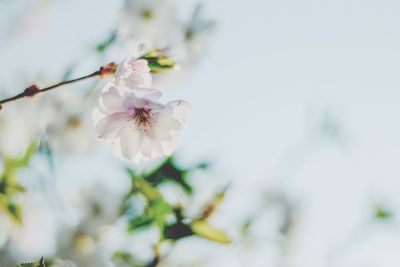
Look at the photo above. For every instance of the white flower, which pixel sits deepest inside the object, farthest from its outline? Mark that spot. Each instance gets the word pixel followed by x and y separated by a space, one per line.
pixel 68 126
pixel 140 127
pixel 133 72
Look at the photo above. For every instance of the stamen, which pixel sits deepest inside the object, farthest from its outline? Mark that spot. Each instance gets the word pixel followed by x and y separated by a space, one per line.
pixel 142 117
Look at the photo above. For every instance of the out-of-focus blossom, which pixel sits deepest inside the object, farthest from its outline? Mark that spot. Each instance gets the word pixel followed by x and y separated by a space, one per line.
pixel 62 263
pixel 18 128
pixel 35 236
pixel 68 124
pixel 140 127
pixel 133 72
pixel 153 22
pixel 197 33
pixel 93 208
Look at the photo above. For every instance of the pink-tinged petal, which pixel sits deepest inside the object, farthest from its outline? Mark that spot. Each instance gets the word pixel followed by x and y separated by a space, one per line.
pixel 130 101
pixel 152 94
pixel 109 126
pixel 133 74
pixel 136 99
pixel 154 106
pixel 180 110
pixel 112 100
pixel 137 79
pixel 140 65
pixel 123 71
pixel 130 142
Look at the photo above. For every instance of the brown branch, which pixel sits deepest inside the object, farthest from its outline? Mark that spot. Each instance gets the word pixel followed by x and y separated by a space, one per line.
pixel 34 90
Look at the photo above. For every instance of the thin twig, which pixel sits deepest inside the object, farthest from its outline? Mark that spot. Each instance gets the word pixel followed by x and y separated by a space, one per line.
pixel 34 90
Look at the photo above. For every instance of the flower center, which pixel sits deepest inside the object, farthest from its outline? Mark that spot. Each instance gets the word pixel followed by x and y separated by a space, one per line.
pixel 147 14
pixel 142 116
pixel 73 122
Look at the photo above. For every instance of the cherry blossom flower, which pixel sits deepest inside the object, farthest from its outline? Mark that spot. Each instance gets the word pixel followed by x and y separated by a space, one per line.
pixel 140 127
pixel 134 72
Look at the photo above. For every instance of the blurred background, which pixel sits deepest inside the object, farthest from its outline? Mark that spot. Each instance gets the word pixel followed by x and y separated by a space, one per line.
pixel 293 140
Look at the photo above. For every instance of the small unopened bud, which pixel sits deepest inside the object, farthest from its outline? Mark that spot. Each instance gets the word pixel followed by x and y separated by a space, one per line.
pixel 108 69
pixel 31 90
pixel 158 61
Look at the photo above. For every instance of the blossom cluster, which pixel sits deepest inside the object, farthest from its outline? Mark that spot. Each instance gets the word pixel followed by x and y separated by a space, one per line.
pixel 131 116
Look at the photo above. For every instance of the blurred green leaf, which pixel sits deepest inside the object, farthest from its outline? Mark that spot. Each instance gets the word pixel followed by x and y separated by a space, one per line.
pixel 10 186
pixel 382 213
pixel 33 264
pixel 139 222
pixel 205 230
pixel 169 171
pixel 157 209
pixel 101 47
pixel 123 257
pixel 10 208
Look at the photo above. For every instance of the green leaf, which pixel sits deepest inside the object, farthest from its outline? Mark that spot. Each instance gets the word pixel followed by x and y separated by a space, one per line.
pixel 33 264
pixel 205 230
pixel 139 222
pixel 10 186
pixel 169 171
pixel 156 211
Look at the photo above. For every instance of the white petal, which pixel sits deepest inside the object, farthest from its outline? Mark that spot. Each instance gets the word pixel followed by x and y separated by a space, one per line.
pixel 169 147
pixel 141 65
pixel 130 142
pixel 97 114
pixel 168 122
pixel 123 71
pixel 157 149
pixel 180 110
pixel 152 94
pixel 112 100
pixel 110 125
pixel 146 147
pixel 138 79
